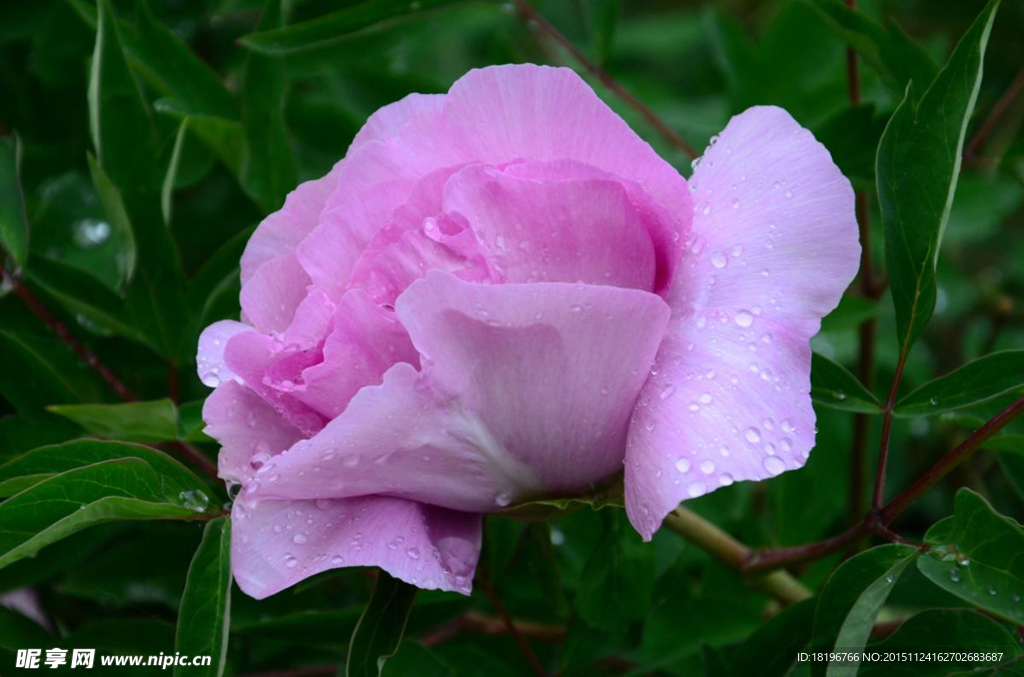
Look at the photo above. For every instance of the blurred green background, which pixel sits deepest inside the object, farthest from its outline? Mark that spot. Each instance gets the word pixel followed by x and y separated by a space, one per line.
pixel 231 129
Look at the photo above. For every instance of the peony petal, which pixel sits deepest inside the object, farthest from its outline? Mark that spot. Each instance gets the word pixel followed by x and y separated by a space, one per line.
pixel 493 116
pixel 526 390
pixel 555 231
pixel 247 428
pixel 282 231
pixel 389 120
pixel 270 297
pixel 276 544
pixel 774 244
pixel 210 360
pixel 365 342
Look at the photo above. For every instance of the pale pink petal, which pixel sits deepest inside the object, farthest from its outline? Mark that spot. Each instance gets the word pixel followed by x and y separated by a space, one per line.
pixel 773 246
pixel 366 340
pixel 282 231
pixel 210 359
pixel 272 294
pixel 248 429
pixel 555 231
pixel 496 116
pixel 276 544
pixel 264 365
pixel 390 119
pixel 526 390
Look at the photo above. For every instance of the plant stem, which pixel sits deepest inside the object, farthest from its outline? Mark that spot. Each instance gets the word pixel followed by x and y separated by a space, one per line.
pixel 878 521
pixel 510 625
pixel 40 310
pixel 533 17
pixel 942 467
pixel 733 554
pixel 997 112
pixel 883 451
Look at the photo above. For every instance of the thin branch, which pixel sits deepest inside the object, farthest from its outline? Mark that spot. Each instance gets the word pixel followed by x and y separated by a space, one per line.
pixel 878 521
pixel 38 309
pixel 533 17
pixel 489 625
pixel 997 112
pixel 942 467
pixel 866 358
pixel 513 630
pixel 883 451
pixel 197 457
pixel 733 554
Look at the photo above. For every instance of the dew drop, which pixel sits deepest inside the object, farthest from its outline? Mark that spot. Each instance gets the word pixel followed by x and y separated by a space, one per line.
pixel 337 560
pixel 299 539
pixel 667 392
pixel 991 591
pixel 705 398
pixel 503 500
pixel 707 467
pixel 683 465
pixel 725 479
pixel 787 426
pixel 954 575
pixel 413 553
pixel 744 319
pixel 696 489
pixel 752 435
pixel 774 465
pixel 290 561
pixel 718 260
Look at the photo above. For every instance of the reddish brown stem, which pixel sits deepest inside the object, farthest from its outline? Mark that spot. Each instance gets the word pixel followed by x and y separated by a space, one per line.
pixel 510 625
pixel 198 458
pixel 38 309
pixel 534 17
pixel 883 450
pixel 997 112
pixel 877 521
pixel 942 467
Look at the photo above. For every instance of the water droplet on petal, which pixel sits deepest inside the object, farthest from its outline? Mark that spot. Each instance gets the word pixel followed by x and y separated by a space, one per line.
pixel 667 392
pixel 299 539
pixel 503 500
pixel 774 465
pixel 744 319
pixel 683 465
pixel 718 260
pixel 290 561
pixel 725 479
pixel 753 435
pixel 707 467
pixel 696 489
pixel 413 553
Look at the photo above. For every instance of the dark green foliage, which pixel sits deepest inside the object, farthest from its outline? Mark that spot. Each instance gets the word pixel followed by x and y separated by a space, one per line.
pixel 141 142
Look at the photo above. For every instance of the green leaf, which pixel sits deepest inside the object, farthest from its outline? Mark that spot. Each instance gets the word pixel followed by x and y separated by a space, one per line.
pixel 83 295
pixel 45 462
pixel 973 383
pixel 771 651
pixel 121 489
pixel 852 598
pixel 120 224
pixel 617 584
pixel 30 377
pixel 336 26
pixel 117 110
pixel 833 386
pixel 13 222
pixel 917 169
pixel 223 136
pixel 155 421
pixel 18 632
pixel 268 167
pixel 204 617
pixel 175 70
pixel 977 557
pixel 964 633
pixel 167 191
pixel 893 55
pixel 378 633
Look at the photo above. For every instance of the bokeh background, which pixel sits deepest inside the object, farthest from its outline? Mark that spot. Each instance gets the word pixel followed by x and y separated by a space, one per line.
pixel 279 119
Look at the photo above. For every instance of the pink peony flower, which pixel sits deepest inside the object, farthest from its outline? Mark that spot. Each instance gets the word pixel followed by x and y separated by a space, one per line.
pixel 503 294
